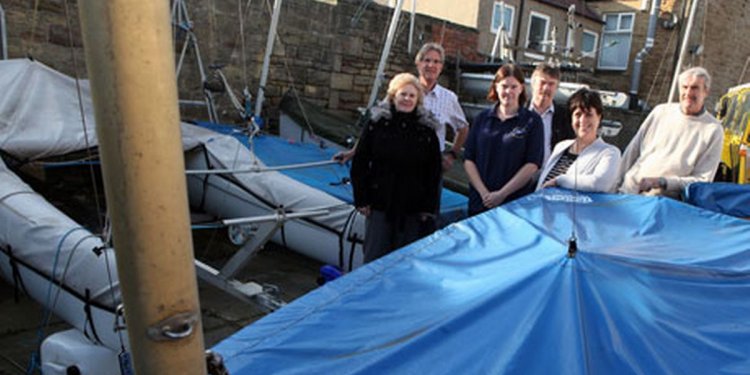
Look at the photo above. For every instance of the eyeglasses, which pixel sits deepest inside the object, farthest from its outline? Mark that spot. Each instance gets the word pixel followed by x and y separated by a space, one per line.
pixel 432 61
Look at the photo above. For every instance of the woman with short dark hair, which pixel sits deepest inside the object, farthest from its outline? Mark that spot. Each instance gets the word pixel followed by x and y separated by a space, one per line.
pixel 505 146
pixel 587 162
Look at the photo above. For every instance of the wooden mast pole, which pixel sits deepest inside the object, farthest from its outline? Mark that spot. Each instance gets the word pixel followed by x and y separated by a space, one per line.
pixel 130 61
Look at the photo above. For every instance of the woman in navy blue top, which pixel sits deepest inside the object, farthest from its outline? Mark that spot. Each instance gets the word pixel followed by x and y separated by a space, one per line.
pixel 505 145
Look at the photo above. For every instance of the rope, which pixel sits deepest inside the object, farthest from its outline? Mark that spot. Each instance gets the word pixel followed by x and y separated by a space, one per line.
pixel 47 311
pixel 112 294
pixel 661 65
pixel 83 114
pixel 34 22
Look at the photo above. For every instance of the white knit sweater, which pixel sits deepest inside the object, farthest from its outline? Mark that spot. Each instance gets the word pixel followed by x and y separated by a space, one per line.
pixel 670 144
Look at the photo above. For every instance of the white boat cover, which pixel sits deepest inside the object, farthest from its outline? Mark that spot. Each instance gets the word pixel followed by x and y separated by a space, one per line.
pixel 227 152
pixel 39 235
pixel 40 115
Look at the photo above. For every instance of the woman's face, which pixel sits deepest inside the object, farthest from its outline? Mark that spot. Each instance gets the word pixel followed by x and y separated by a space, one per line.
pixel 585 123
pixel 406 98
pixel 508 89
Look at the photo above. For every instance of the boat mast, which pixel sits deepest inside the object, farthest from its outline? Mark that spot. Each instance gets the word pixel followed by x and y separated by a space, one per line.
pixel 130 61
pixel 267 58
pixel 683 49
pixel 384 54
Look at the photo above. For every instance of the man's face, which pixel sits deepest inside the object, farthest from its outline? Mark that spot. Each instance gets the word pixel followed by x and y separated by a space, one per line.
pixel 693 93
pixel 430 66
pixel 543 89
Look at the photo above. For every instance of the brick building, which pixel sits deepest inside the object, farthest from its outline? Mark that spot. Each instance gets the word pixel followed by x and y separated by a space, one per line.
pixel 539 27
pixel 613 32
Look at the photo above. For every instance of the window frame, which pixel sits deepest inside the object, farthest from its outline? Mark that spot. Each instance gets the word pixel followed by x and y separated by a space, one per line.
pixel 547 25
pixel 508 28
pixel 618 31
pixel 596 43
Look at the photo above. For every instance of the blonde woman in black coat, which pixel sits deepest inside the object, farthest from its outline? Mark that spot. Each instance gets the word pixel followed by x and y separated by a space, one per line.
pixel 396 170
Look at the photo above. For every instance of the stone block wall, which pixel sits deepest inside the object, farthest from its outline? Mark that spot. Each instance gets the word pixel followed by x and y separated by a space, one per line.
pixel 327 52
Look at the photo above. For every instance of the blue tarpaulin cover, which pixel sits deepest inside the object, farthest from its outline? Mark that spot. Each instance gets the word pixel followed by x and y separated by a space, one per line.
pixel 656 287
pixel 332 178
pixel 724 197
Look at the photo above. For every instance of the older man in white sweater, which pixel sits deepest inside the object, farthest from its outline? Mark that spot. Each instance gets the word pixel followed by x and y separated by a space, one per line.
pixel 677 144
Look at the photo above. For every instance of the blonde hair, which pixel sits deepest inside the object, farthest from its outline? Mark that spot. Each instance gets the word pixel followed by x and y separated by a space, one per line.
pixel 402 79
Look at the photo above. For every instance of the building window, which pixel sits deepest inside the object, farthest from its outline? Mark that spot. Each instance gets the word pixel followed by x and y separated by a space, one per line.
pixel 509 11
pixel 589 40
pixel 3 36
pixel 616 38
pixel 536 35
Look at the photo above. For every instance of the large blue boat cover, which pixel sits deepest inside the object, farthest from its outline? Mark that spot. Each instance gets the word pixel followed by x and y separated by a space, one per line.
pixel 724 197
pixel 656 287
pixel 332 178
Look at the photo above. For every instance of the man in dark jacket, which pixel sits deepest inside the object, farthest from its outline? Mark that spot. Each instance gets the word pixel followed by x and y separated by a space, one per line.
pixel 556 119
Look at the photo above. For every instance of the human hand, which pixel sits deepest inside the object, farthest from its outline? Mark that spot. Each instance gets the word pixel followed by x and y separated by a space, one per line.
pixel 449 157
pixel 493 199
pixel 447 162
pixel 550 183
pixel 365 210
pixel 649 183
pixel 344 156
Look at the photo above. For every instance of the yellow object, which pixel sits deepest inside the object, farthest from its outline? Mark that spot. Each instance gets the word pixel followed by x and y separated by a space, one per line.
pixel 742 179
pixel 734 114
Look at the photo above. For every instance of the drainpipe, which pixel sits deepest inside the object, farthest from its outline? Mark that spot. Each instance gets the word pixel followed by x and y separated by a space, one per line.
pixel 3 36
pixel 518 29
pixel 636 76
pixel 411 25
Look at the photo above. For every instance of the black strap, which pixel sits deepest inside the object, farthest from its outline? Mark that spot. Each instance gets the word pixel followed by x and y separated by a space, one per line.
pixel 90 319
pixel 351 252
pixel 18 284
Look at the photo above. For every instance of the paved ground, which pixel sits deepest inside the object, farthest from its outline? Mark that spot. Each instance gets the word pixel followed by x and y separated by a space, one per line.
pixel 295 275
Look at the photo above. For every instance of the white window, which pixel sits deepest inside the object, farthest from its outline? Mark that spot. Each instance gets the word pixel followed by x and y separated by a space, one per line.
pixel 589 40
pixel 536 35
pixel 616 38
pixel 3 36
pixel 508 11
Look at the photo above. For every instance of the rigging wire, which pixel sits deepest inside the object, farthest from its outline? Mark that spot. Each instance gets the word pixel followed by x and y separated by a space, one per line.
pixel 573 241
pixel 703 32
pixel 659 69
pixel 81 110
pixel 295 94
pixel 242 39
pixel 34 23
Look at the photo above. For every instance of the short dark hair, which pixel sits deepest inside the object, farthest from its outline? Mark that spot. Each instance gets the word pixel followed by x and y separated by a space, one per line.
pixel 584 99
pixel 505 71
pixel 548 69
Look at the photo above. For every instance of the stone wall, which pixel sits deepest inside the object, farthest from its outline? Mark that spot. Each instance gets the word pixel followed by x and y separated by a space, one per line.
pixel 327 53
